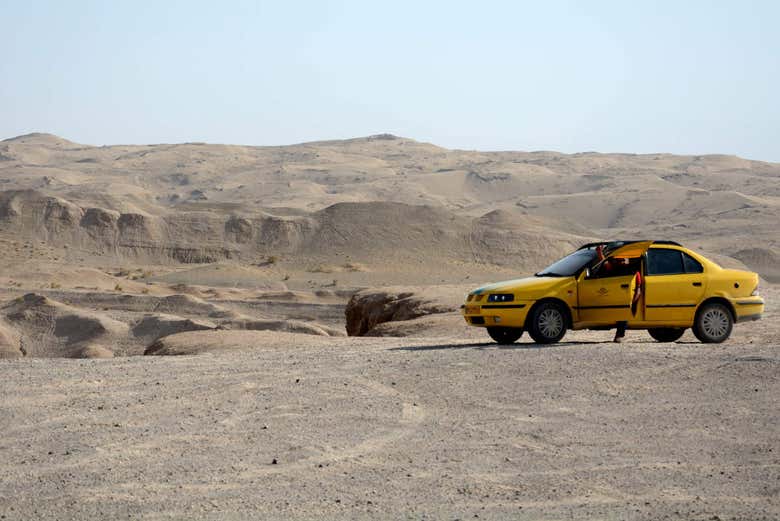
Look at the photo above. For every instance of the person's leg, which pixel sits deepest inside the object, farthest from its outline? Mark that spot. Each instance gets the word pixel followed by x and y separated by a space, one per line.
pixel 620 333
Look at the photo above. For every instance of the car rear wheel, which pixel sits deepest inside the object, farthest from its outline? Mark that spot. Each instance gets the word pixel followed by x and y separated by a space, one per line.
pixel 666 334
pixel 505 335
pixel 713 323
pixel 547 323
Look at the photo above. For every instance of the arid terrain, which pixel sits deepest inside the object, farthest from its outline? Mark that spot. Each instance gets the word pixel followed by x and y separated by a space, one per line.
pixel 282 402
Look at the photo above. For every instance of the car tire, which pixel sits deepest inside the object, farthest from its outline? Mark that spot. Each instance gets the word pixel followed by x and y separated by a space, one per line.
pixel 666 334
pixel 547 323
pixel 713 323
pixel 505 335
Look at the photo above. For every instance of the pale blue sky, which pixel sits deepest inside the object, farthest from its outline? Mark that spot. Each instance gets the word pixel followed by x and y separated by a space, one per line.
pixel 612 76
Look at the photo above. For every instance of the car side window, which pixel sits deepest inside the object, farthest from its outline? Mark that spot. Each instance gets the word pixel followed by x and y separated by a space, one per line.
pixel 664 262
pixel 616 268
pixel 691 264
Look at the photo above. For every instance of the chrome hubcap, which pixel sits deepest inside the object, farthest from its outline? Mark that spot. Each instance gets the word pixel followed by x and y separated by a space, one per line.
pixel 550 323
pixel 715 323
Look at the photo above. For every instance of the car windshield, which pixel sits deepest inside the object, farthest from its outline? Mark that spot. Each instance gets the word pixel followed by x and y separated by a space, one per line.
pixel 569 265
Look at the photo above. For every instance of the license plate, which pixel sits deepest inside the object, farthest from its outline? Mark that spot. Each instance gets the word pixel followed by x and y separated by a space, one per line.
pixel 472 310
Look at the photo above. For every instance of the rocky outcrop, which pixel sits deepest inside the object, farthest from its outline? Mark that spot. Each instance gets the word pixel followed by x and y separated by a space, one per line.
pixel 369 308
pixel 31 214
pixel 100 219
pixel 374 231
pixel 284 235
pixel 138 227
pixel 238 230
pixel 183 237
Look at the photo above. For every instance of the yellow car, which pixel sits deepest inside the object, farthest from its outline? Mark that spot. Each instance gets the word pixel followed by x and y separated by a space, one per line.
pixel 655 285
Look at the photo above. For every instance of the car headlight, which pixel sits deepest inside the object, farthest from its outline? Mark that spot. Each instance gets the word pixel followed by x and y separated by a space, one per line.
pixel 501 297
pixel 755 292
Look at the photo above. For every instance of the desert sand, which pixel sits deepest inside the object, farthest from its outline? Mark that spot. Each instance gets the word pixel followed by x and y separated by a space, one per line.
pixel 176 340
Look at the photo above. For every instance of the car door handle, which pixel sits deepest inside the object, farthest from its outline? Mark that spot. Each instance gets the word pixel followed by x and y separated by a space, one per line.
pixel 697 284
pixel 624 286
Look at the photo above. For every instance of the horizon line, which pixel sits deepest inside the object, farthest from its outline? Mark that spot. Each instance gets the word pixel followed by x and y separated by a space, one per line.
pixel 386 136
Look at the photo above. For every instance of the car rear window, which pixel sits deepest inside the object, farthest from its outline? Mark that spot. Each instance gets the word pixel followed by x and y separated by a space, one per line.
pixel 691 264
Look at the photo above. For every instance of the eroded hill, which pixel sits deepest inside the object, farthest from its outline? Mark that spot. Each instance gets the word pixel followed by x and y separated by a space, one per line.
pixel 195 202
pixel 281 237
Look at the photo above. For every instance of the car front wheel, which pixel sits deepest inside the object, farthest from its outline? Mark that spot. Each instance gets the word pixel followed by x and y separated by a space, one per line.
pixel 713 323
pixel 547 323
pixel 505 335
pixel 666 334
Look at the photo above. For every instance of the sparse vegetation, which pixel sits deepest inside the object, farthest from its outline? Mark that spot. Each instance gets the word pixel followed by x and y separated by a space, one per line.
pixel 117 288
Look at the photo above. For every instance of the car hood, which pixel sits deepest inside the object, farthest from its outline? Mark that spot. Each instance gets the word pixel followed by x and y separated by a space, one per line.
pixel 526 284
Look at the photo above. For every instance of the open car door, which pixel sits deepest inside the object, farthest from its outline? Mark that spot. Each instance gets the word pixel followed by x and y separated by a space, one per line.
pixel 606 294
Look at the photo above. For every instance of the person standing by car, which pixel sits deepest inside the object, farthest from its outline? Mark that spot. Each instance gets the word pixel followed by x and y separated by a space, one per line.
pixel 620 332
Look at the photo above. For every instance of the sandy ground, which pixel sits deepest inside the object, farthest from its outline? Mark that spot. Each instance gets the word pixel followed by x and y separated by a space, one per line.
pixel 303 427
